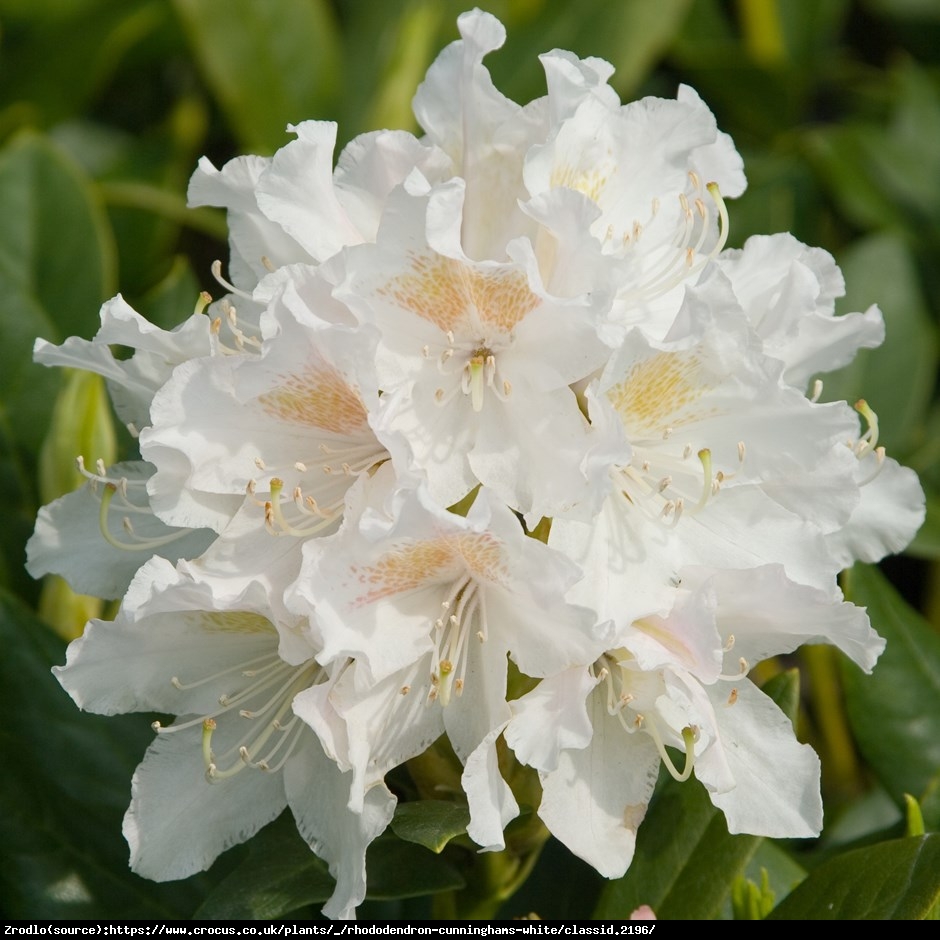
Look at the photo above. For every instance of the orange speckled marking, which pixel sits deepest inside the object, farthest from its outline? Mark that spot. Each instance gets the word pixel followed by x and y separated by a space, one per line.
pixel 657 389
pixel 416 564
pixel 320 398
pixel 444 291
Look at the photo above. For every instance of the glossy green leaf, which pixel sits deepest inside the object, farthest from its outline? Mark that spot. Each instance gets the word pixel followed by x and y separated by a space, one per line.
pixel 268 64
pixel 896 379
pixel 401 870
pixel 895 712
pixel 279 875
pixel 897 880
pixel 431 823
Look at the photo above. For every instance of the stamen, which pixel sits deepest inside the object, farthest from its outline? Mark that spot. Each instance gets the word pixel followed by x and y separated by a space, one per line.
pixel 743 669
pixel 216 269
pixel 688 739
pixel 278 524
pixel 140 544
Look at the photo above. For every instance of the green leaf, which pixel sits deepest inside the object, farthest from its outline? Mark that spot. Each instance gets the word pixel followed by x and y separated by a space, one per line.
pixel 897 880
pixel 401 870
pixel 268 64
pixel 65 793
pixel 896 379
pixel 279 875
pixel 895 712
pixel 431 823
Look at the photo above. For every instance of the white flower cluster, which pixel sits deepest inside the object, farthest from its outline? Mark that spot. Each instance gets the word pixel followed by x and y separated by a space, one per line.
pixel 496 393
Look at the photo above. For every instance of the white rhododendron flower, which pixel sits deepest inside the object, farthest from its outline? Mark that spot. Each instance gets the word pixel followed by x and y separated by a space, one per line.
pixel 491 451
pixel 236 755
pixel 680 680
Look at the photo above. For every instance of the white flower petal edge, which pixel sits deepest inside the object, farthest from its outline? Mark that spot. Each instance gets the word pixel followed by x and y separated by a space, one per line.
pixel 236 756
pixel 131 382
pixel 597 734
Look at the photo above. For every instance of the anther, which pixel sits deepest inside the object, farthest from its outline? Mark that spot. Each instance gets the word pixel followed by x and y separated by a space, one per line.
pixel 733 697
pixel 817 390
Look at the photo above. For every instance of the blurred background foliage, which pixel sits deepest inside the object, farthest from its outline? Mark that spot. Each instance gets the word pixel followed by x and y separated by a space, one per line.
pixel 105 107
